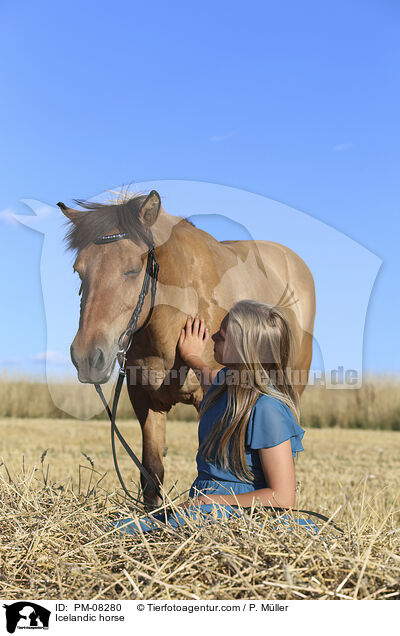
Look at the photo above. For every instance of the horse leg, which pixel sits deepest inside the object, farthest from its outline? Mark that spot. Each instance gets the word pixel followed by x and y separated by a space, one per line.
pixel 304 362
pixel 153 425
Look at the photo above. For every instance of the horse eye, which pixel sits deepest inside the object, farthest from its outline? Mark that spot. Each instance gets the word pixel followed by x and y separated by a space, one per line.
pixel 133 272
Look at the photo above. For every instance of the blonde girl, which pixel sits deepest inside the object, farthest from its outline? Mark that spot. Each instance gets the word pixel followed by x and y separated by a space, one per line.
pixel 249 430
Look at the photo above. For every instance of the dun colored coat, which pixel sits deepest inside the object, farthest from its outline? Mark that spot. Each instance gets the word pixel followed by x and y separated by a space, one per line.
pixel 197 275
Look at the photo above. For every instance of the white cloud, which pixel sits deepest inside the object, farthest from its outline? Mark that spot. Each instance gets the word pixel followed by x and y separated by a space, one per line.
pixel 51 357
pixel 232 133
pixel 341 147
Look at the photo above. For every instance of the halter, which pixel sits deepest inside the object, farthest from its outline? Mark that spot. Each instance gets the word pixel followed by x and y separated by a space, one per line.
pixel 124 342
pixel 110 238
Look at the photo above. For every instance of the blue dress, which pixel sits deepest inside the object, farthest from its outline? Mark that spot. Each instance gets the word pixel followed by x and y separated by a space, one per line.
pixel 271 422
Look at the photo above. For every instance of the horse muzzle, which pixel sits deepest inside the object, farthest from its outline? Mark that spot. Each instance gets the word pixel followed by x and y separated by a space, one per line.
pixel 94 367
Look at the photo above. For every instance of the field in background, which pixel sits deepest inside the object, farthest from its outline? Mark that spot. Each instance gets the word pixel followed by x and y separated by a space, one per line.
pixel 54 506
pixel 376 405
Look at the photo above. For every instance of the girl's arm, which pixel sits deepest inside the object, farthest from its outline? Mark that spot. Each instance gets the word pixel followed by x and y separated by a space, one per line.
pixel 192 341
pixel 204 374
pixel 278 467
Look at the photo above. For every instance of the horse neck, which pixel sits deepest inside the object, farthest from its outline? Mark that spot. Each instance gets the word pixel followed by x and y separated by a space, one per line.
pixel 185 252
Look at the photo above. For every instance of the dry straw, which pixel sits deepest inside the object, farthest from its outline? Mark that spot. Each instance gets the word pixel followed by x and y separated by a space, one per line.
pixel 56 541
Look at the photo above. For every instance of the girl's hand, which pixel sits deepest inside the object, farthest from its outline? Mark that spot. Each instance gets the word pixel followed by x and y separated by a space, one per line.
pixel 193 339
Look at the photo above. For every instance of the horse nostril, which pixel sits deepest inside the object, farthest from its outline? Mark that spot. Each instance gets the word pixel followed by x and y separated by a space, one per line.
pixel 96 359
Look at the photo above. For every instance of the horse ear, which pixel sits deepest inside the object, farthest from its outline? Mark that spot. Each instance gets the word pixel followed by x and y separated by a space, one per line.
pixel 150 209
pixel 72 215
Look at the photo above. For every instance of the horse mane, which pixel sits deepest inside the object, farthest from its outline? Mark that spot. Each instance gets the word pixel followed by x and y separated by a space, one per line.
pixel 99 219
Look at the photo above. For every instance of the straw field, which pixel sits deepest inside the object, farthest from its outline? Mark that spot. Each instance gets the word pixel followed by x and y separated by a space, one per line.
pixel 58 489
pixel 376 405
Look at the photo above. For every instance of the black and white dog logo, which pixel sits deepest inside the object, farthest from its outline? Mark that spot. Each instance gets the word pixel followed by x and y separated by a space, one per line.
pixel 26 615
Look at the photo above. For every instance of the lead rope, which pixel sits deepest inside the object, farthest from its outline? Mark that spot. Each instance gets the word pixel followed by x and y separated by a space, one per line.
pixel 309 512
pixel 151 272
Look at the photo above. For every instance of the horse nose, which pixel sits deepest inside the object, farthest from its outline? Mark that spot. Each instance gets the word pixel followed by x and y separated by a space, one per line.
pixel 93 364
pixel 73 357
pixel 97 359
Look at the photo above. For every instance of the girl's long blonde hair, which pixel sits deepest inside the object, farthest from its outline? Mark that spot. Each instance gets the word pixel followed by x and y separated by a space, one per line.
pixel 261 345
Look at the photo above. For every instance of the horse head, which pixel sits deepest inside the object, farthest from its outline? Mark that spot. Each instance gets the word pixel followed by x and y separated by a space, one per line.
pixel 111 273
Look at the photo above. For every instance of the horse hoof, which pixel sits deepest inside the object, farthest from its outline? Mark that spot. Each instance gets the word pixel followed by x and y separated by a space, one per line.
pixel 149 506
pixel 164 451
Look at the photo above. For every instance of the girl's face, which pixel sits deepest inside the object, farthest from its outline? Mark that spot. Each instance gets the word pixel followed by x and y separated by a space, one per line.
pixel 219 338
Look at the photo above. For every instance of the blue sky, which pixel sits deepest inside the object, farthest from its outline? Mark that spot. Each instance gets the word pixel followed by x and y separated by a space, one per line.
pixel 296 102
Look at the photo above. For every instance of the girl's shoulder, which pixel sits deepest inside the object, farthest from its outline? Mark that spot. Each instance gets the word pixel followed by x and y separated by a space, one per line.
pixel 271 403
pixel 272 422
